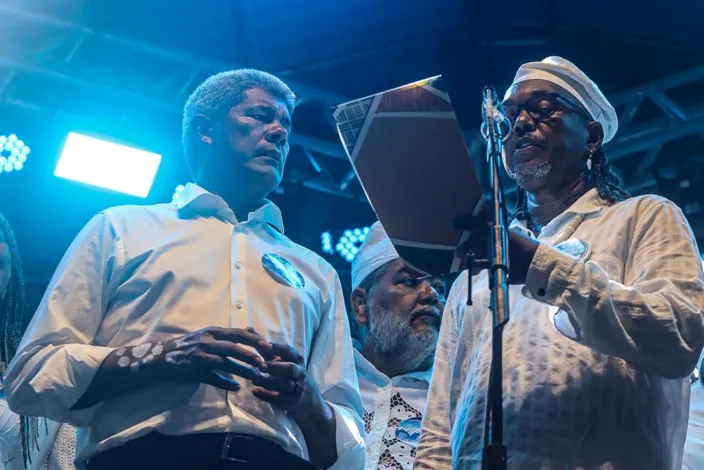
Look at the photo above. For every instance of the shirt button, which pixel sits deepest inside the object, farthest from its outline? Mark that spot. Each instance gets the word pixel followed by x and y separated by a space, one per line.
pixel 541 292
pixel 238 265
pixel 239 304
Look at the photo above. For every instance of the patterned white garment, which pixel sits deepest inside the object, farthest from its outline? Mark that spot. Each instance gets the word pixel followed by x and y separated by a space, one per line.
pixel 607 391
pixel 143 274
pixel 63 455
pixel 393 411
pixel 56 444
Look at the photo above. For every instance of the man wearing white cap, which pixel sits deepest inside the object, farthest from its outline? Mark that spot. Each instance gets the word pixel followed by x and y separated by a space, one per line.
pixel 396 321
pixel 605 303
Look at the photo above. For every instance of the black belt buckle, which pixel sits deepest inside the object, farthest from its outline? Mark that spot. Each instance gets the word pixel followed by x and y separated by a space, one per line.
pixel 225 453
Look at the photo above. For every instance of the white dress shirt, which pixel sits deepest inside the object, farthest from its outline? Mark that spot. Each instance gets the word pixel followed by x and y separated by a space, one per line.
pixel 55 448
pixel 393 411
pixel 593 353
pixel 138 274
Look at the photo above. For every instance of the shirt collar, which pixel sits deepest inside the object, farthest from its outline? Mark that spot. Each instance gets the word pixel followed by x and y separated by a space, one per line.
pixel 589 203
pixel 195 200
pixel 366 368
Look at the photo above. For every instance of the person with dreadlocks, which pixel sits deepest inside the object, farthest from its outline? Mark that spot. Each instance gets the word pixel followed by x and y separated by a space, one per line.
pixel 25 442
pixel 606 303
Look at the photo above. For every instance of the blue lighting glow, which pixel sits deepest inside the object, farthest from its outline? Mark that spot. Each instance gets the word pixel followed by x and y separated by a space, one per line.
pixel 107 165
pixel 326 241
pixel 13 153
pixel 348 244
pixel 177 193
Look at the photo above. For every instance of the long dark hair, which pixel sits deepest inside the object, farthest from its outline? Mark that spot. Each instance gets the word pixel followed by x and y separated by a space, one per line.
pixel 12 324
pixel 601 177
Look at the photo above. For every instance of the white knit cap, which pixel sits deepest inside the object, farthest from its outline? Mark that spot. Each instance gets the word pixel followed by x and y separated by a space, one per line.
pixel 564 73
pixel 376 251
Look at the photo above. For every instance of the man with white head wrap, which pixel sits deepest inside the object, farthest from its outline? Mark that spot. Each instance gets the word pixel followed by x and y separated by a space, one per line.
pixel 606 301
pixel 396 321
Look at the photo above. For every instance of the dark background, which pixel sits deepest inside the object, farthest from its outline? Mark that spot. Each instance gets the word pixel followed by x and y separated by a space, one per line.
pixel 123 69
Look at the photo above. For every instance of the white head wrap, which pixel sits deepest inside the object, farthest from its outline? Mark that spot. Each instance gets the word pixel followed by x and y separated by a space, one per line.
pixel 564 73
pixel 376 251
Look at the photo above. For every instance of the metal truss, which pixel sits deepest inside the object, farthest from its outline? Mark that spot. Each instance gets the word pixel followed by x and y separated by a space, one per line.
pixel 56 62
pixel 676 122
pixel 58 59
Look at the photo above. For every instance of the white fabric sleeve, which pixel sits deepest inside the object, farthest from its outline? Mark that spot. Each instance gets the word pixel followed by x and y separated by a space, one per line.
pixel 331 367
pixel 654 319
pixel 11 454
pixel 55 361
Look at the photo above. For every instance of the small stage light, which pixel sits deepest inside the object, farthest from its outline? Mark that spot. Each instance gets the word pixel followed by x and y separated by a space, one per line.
pixel 348 244
pixel 177 193
pixel 326 241
pixel 13 153
pixel 107 165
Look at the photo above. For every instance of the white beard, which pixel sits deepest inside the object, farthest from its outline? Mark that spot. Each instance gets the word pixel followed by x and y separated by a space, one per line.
pixel 534 172
pixel 390 336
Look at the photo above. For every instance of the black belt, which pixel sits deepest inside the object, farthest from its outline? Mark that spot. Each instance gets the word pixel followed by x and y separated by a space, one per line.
pixel 198 451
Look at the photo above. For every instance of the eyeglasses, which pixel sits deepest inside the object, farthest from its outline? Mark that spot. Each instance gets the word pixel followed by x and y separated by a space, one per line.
pixel 541 107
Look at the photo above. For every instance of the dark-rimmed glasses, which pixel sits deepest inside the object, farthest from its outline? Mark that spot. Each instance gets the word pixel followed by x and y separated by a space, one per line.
pixel 541 107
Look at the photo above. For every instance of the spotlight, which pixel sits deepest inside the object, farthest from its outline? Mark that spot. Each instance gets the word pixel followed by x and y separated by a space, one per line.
pixel 107 165
pixel 13 153
pixel 177 193
pixel 326 241
pixel 349 243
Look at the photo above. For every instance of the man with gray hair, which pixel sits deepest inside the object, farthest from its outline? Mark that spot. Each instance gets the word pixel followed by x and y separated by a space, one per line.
pixel 396 321
pixel 196 335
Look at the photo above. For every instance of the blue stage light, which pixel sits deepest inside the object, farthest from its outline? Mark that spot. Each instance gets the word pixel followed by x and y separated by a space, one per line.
pixel 326 242
pixel 107 165
pixel 349 243
pixel 13 153
pixel 177 193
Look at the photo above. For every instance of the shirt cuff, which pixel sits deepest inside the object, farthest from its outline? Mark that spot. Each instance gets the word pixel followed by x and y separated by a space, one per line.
pixel 64 379
pixel 548 274
pixel 547 279
pixel 350 442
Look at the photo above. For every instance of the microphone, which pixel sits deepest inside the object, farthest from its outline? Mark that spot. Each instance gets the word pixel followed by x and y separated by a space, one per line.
pixel 493 113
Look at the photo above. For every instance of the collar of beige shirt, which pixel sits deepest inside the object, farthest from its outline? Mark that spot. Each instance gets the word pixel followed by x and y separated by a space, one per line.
pixel 195 200
pixel 588 204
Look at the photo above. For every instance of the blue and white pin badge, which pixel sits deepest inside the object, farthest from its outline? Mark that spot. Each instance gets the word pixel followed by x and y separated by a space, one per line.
pixel 408 431
pixel 283 271
pixel 575 247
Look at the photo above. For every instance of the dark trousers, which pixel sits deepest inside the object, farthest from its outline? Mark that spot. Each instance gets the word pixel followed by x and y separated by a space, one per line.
pixel 198 452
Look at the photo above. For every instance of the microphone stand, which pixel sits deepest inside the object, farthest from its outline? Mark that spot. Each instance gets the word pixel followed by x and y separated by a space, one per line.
pixel 494 455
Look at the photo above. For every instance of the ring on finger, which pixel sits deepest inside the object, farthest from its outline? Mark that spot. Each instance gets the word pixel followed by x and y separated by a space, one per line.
pixel 295 386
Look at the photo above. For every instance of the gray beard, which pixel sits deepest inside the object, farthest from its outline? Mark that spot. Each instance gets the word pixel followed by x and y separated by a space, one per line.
pixel 534 172
pixel 394 338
